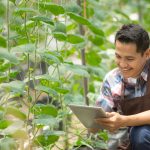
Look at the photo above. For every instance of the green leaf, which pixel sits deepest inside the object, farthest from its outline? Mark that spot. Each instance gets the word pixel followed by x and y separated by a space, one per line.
pixel 71 6
pixel 76 69
pixel 4 66
pixel 103 135
pixel 81 142
pixel 4 54
pixel 59 27
pixel 3 78
pixel 59 31
pixel 15 112
pixel 96 30
pixel 71 26
pixel 14 86
pixel 43 19
pixel 1 113
pixel 20 134
pixel 93 58
pixel 49 132
pixel 13 1
pixel 46 90
pixel 74 39
pixel 47 77
pixel 24 10
pixel 98 71
pixel 97 40
pixel 4 124
pixel 78 18
pixel 60 36
pixel 29 24
pixel 7 144
pixel 46 120
pixel 13 74
pixel 15 126
pixel 122 14
pixel 62 90
pixel 3 42
pixel 25 48
pixel 73 99
pixel 41 109
pixel 53 8
pixel 46 140
pixel 51 57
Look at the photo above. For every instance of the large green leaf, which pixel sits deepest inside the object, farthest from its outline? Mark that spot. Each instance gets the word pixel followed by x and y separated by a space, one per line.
pixel 46 140
pixel 43 19
pixel 24 10
pixel 72 6
pixel 96 30
pixel 97 40
pixel 15 112
pixel 28 25
pixel 59 27
pixel 51 57
pixel 73 99
pixel 93 58
pixel 62 90
pixel 25 48
pixel 122 14
pixel 4 66
pixel 75 39
pixel 21 133
pixel 3 78
pixel 13 74
pixel 4 54
pixel 48 137
pixel 3 42
pixel 47 77
pixel 60 36
pixel 78 18
pixel 15 126
pixel 13 1
pixel 46 120
pixel 53 8
pixel 77 69
pixel 98 71
pixel 13 86
pixel 4 124
pixel 8 144
pixel 71 26
pixel 41 109
pixel 46 89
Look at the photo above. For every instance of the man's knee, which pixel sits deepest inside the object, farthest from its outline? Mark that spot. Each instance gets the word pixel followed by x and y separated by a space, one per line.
pixel 140 137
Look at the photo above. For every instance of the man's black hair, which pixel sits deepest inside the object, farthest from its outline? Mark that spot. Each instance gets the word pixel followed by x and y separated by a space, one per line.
pixel 134 33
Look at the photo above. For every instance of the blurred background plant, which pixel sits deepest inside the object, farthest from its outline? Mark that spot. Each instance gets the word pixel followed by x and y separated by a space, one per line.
pixel 52 53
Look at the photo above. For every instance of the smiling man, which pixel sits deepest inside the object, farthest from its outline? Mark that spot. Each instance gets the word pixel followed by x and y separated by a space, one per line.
pixel 125 93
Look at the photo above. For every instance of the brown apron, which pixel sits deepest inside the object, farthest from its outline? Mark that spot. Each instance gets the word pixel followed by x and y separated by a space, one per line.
pixel 135 105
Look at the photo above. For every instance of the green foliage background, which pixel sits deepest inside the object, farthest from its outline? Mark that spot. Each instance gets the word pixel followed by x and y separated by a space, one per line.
pixel 61 49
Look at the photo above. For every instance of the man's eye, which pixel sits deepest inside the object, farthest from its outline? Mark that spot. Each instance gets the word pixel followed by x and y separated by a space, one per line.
pixel 130 59
pixel 117 56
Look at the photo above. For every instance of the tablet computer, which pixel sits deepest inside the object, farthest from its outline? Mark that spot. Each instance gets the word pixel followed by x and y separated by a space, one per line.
pixel 88 114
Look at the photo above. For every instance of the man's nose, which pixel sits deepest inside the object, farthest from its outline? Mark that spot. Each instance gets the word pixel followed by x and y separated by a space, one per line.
pixel 123 63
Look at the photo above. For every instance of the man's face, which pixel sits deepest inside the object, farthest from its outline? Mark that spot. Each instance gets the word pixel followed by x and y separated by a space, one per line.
pixel 129 61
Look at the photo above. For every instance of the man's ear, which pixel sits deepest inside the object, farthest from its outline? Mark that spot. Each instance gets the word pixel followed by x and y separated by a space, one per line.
pixel 147 53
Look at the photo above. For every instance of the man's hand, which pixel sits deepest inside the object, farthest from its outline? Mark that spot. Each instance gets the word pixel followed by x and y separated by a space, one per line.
pixel 93 130
pixel 113 121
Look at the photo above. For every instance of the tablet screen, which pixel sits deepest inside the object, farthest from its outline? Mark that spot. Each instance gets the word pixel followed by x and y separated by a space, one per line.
pixel 88 114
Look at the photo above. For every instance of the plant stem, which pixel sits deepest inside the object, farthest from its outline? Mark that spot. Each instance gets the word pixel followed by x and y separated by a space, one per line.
pixel 8 36
pixel 82 32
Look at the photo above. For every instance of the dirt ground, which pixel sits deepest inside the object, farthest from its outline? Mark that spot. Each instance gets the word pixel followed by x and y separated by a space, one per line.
pixel 75 127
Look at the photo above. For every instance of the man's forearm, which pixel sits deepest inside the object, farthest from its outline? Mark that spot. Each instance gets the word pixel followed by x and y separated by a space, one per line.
pixel 137 119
